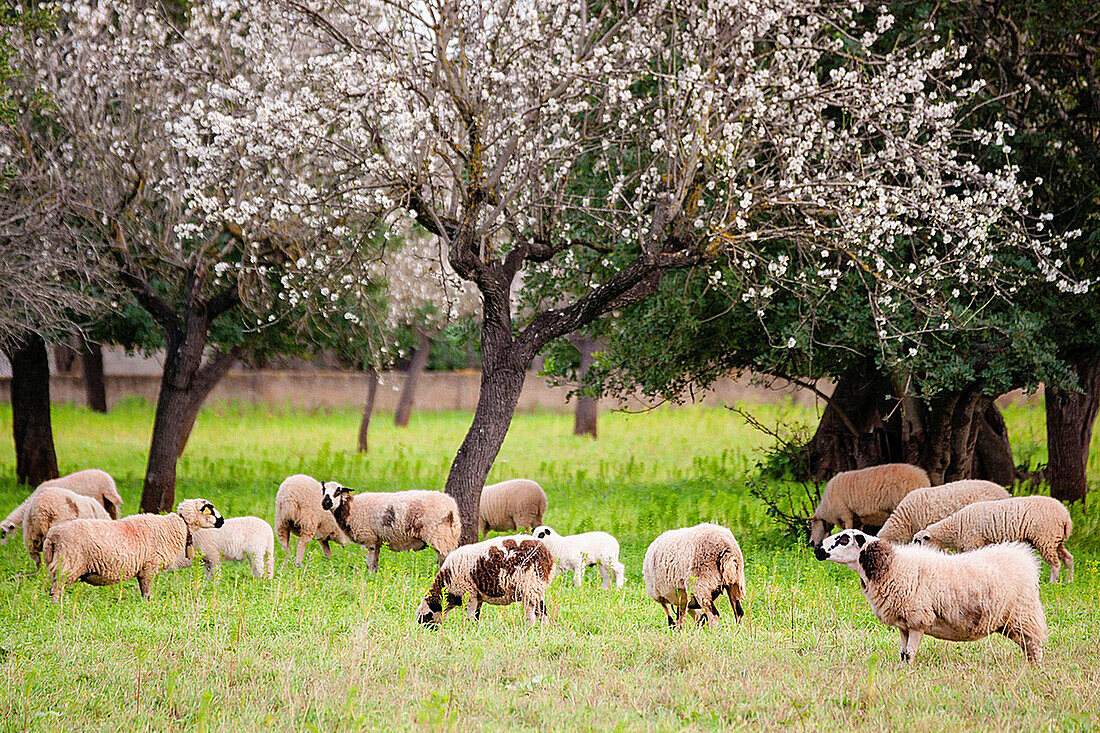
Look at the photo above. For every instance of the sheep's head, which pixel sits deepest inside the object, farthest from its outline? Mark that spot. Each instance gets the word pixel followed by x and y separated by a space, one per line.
pixel 6 528
pixel 430 612
pixel 332 495
pixel 543 532
pixel 924 537
pixel 817 531
pixel 112 502
pixel 199 514
pixel 843 547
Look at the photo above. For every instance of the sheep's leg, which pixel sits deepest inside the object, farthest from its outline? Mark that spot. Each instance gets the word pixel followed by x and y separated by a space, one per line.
pixel 910 650
pixel 668 613
pixel 439 557
pixel 1032 647
pixel 848 521
pixel 211 564
pixel 145 581
pixel 473 608
pixel 681 609
pixel 620 573
pixel 372 558
pixel 605 576
pixel 578 576
pixel 257 562
pixel 1067 561
pixel 37 557
pixel 304 537
pixel 283 533
pixel 1053 558
pixel 482 528
pixel 531 611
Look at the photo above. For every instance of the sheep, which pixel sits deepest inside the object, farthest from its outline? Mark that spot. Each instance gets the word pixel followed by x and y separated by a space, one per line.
pixel 242 539
pixel 864 497
pixel 576 552
pixel 499 571
pixel 50 505
pixel 689 568
pixel 298 511
pixel 962 597
pixel 90 482
pixel 1040 521
pixel 509 505
pixel 922 507
pixel 401 520
pixel 106 551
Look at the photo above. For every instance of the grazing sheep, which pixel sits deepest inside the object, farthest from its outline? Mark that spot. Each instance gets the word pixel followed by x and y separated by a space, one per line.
pixel 499 571
pixel 955 597
pixel 864 497
pixel 1040 521
pixel 298 511
pixel 106 551
pixel 518 503
pixel 241 539
pixel 687 569
pixel 401 520
pixel 51 505
pixel 576 552
pixel 90 482
pixel 925 506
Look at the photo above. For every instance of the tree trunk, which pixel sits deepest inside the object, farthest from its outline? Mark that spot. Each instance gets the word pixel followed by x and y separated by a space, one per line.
pixel 35 459
pixel 368 408
pixel 412 376
pixel 994 451
pixel 587 409
pixel 95 387
pixel 64 357
pixel 1070 420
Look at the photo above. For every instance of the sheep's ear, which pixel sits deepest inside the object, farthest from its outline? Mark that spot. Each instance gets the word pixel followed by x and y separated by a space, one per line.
pixel 861 540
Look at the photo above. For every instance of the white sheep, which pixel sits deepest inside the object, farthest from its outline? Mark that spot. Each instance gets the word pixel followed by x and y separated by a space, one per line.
pixel 688 569
pixel 509 505
pixel 241 539
pixel 499 571
pixel 90 482
pixel 922 507
pixel 962 597
pixel 401 520
pixel 107 551
pixel 578 551
pixel 298 511
pixel 864 497
pixel 1040 521
pixel 51 505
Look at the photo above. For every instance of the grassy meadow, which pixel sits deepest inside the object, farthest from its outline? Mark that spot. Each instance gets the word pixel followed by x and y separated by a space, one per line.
pixel 330 647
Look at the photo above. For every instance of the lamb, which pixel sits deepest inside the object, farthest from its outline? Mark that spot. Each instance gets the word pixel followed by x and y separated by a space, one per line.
pixel 864 497
pixel 298 511
pixel 242 539
pixel 963 597
pixel 687 569
pixel 1040 521
pixel 499 571
pixel 402 520
pixel 90 482
pixel 576 552
pixel 50 505
pixel 105 551
pixel 924 506
pixel 509 505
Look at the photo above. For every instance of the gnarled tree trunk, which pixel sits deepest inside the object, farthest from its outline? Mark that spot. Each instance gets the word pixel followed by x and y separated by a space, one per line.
pixel 852 433
pixel 587 410
pixel 35 459
pixel 412 377
pixel 368 409
pixel 1070 420
pixel 95 386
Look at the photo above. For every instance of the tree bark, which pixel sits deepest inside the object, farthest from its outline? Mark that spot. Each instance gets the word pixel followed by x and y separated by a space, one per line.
pixel 1071 417
pixel 994 451
pixel 95 386
pixel 35 459
pixel 412 377
pixel 368 409
pixel 587 410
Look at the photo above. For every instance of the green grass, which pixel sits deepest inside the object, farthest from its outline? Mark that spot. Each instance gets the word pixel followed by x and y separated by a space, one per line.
pixel 330 647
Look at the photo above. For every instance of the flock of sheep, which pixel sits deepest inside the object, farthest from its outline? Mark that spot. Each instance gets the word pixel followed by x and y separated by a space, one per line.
pixel 991 585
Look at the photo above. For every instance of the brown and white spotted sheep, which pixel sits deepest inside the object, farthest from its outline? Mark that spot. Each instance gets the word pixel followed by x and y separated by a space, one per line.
pixel 922 507
pixel 965 597
pixel 401 520
pixel 499 571
pixel 106 551
pixel 91 482
pixel 1040 521
pixel 687 569
pixel 52 505
pixel 864 497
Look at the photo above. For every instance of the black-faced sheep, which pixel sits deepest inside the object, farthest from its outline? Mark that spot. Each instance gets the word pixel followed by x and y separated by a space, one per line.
pixel 509 505
pixel 499 571
pixel 298 511
pixel 1040 521
pixel 688 569
pixel 401 520
pixel 864 497
pixel 51 505
pixel 90 482
pixel 105 551
pixel 963 597
pixel 575 552
pixel 922 507
pixel 241 539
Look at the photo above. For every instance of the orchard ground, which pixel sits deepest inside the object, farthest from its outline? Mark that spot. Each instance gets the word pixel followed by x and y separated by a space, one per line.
pixel 329 646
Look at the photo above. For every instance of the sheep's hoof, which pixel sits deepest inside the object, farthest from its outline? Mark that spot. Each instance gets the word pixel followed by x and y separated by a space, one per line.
pixel 906 657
